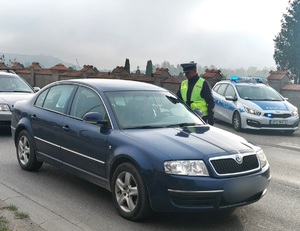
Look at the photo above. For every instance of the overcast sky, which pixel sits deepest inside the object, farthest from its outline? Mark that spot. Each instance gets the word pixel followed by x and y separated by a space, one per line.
pixel 103 33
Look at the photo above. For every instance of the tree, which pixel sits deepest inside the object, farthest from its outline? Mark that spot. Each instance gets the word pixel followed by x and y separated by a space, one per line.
pixel 8 63
pixel 287 42
pixel 127 65
pixel 2 58
pixel 149 68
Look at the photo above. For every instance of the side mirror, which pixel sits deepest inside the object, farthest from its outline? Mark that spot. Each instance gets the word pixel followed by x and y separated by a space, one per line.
pixel 230 98
pixel 36 89
pixel 94 118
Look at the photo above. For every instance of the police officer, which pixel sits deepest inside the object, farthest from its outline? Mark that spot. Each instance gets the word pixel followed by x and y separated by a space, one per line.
pixel 196 92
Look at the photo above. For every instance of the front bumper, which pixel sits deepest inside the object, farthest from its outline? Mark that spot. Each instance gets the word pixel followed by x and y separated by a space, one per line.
pixel 195 194
pixel 250 121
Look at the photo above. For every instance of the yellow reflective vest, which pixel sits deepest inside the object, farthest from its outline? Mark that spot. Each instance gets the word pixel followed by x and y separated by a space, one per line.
pixel 197 101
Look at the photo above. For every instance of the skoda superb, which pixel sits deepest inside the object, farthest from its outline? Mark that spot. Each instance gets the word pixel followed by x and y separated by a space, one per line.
pixel 140 142
pixel 248 103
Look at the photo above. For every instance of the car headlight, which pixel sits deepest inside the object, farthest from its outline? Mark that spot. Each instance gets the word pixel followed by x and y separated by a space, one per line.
pixel 252 111
pixel 4 107
pixel 262 158
pixel 186 167
pixel 295 112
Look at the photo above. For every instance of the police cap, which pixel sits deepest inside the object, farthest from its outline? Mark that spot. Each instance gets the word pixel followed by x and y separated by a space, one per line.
pixel 188 66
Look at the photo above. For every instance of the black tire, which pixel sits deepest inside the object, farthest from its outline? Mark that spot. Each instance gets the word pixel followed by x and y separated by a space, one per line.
pixel 129 193
pixel 26 152
pixel 236 122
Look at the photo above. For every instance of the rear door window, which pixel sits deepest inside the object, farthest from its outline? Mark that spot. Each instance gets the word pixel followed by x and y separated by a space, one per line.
pixel 221 89
pixel 58 97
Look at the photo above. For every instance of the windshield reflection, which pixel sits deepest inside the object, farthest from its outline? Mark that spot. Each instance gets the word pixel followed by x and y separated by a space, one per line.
pixel 12 84
pixel 150 109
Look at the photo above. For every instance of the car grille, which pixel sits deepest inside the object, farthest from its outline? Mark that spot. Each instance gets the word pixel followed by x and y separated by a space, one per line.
pixel 228 165
pixel 271 115
pixel 192 200
pixel 4 123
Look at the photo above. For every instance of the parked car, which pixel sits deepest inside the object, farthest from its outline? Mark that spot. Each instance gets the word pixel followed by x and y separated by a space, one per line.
pixel 140 142
pixel 248 103
pixel 12 89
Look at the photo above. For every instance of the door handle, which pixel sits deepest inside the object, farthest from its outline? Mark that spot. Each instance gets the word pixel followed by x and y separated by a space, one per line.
pixel 66 128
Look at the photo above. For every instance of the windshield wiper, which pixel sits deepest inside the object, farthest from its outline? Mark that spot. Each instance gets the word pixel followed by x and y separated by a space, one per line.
pixel 266 100
pixel 144 127
pixel 181 125
pixel 162 126
pixel 22 91
pixel 270 99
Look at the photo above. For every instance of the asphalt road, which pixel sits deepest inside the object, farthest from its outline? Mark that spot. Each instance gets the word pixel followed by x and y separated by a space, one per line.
pixel 57 200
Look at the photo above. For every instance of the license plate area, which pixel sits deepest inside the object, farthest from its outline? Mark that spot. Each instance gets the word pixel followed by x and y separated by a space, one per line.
pixel 278 122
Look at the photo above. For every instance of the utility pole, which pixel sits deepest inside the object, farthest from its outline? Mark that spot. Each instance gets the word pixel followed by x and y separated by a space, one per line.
pixel 78 64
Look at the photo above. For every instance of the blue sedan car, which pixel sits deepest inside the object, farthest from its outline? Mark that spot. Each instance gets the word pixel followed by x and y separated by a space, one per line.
pixel 140 142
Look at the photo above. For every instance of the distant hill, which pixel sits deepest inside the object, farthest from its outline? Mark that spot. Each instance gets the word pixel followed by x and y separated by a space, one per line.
pixel 45 61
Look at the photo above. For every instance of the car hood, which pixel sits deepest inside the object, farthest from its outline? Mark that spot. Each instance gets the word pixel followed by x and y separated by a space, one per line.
pixel 269 105
pixel 12 97
pixel 191 142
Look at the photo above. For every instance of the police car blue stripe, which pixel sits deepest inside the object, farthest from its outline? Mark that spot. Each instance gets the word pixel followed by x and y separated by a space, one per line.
pixel 271 105
pixel 227 106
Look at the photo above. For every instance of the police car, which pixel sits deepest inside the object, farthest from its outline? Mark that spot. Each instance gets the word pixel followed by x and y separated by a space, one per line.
pixel 249 103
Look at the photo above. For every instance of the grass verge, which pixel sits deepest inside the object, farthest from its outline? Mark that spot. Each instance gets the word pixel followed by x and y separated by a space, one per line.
pixel 4 223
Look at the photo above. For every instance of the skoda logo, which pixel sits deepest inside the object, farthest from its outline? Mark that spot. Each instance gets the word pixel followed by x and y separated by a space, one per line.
pixel 239 159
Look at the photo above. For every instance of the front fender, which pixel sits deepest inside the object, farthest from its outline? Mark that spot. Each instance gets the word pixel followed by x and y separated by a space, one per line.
pixel 22 124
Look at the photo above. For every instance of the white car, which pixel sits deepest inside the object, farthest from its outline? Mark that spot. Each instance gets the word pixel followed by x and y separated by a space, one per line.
pixel 248 103
pixel 12 89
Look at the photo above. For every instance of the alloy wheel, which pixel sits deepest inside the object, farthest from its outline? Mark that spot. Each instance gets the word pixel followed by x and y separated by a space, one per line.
pixel 24 150
pixel 236 121
pixel 126 191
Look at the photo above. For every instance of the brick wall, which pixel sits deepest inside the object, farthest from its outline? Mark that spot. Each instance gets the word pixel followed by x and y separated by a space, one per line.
pixel 41 80
pixel 293 97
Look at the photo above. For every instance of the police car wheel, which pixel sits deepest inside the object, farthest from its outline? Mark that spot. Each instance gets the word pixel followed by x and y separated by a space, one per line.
pixel 236 122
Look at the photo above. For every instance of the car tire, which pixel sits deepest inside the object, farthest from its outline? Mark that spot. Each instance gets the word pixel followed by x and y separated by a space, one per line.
pixel 26 152
pixel 236 122
pixel 129 193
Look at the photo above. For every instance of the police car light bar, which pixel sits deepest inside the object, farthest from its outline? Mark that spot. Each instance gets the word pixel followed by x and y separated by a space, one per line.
pixel 238 79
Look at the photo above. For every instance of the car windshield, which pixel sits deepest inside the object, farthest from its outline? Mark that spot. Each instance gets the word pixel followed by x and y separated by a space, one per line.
pixel 150 109
pixel 258 92
pixel 13 84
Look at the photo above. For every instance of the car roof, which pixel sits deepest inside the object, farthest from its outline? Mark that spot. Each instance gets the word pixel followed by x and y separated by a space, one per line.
pixel 114 84
pixel 249 84
pixel 5 73
pixel 242 83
